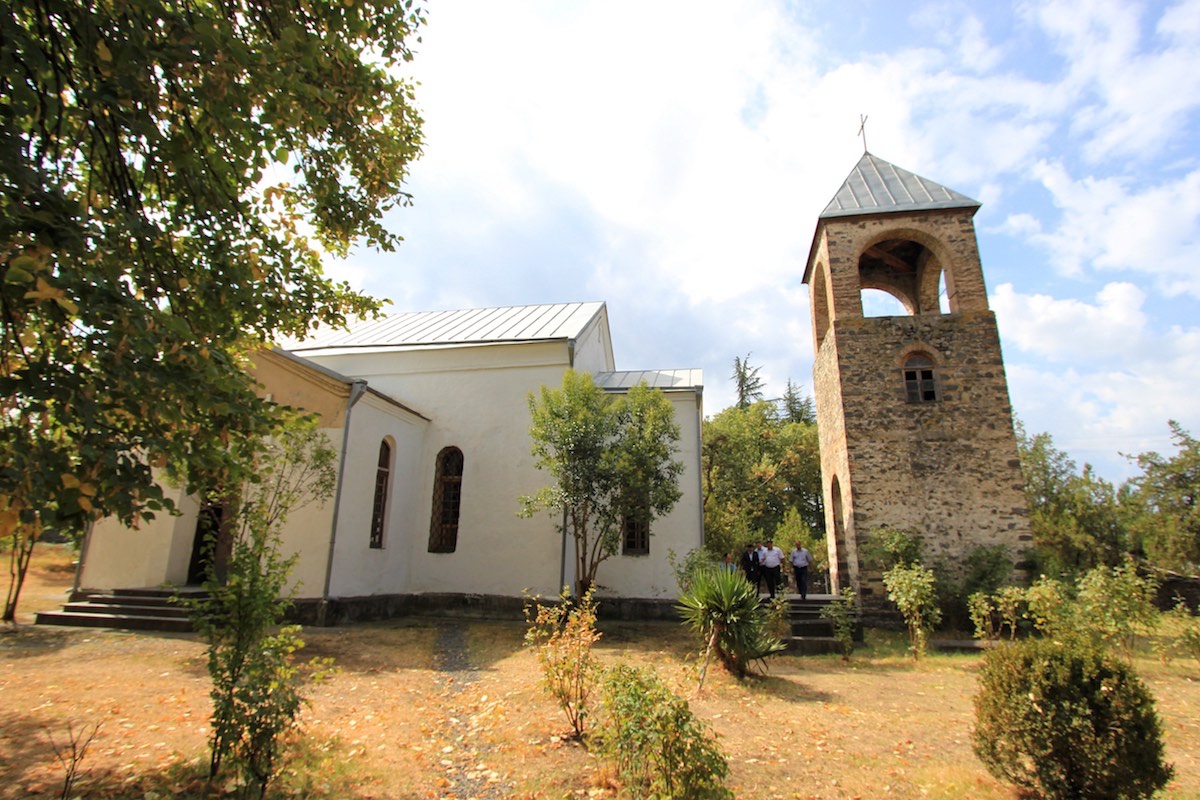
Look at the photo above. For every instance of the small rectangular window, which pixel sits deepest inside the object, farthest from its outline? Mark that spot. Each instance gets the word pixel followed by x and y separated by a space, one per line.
pixel 919 386
pixel 635 534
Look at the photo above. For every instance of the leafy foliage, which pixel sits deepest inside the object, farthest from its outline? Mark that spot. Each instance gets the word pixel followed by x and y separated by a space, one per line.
pixel 1116 605
pixel 609 457
pixel 748 384
pixel 660 749
pixel 170 172
pixel 723 609
pixel 758 466
pixel 842 612
pixel 891 547
pixel 912 587
pixel 1184 629
pixel 563 635
pixel 1062 721
pixel 1164 504
pixel 256 685
pixel 1075 516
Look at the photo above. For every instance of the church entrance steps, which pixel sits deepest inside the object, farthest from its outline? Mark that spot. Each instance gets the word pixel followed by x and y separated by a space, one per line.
pixel 147 609
pixel 811 634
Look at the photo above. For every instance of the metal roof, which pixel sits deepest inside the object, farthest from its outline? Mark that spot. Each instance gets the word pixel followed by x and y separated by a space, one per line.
pixel 557 321
pixel 875 186
pixel 665 379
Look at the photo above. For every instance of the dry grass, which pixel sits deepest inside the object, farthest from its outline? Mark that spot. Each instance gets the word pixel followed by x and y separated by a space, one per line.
pixel 390 724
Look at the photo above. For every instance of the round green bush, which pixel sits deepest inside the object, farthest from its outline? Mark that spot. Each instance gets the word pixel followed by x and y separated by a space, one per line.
pixel 1062 720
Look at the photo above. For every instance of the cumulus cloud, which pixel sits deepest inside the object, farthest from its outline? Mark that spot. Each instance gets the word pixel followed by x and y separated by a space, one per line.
pixel 1107 224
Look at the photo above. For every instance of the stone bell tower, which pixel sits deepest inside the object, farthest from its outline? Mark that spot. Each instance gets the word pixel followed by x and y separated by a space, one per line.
pixel 913 411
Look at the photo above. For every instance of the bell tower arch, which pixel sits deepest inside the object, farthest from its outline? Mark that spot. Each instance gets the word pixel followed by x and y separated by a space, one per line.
pixel 913 411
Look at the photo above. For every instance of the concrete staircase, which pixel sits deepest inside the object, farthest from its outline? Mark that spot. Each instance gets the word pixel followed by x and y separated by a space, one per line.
pixel 812 635
pixel 152 609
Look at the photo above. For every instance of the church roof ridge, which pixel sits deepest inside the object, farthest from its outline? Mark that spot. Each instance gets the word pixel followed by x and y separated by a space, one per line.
pixel 527 323
pixel 876 186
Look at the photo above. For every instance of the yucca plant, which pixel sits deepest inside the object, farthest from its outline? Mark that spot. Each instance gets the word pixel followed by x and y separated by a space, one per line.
pixel 723 608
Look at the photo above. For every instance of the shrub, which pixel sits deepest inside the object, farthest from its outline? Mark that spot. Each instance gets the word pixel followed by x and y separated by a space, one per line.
pixel 1051 609
pixel 984 616
pixel 913 589
pixel 1182 629
pixel 1010 602
pixel 842 611
pixel 659 748
pixel 723 608
pixel 563 635
pixel 1062 720
pixel 1116 604
pixel 888 547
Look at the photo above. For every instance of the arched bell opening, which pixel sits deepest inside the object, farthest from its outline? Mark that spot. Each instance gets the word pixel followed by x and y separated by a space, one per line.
pixel 902 269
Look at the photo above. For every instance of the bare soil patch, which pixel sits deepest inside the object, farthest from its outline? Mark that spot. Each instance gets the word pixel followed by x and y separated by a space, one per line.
pixel 423 708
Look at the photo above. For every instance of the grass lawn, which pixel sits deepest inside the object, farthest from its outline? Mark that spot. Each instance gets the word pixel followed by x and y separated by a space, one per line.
pixel 392 724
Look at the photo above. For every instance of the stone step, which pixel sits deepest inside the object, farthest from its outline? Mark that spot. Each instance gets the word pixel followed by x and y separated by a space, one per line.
pixel 152 608
pixel 120 621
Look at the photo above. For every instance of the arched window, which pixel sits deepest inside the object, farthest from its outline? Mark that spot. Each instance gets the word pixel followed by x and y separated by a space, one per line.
pixel 919 383
pixel 383 473
pixel 447 497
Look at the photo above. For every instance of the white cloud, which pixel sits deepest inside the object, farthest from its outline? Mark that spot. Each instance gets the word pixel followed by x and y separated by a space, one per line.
pixel 1123 81
pixel 1115 379
pixel 1107 225
pixel 1071 330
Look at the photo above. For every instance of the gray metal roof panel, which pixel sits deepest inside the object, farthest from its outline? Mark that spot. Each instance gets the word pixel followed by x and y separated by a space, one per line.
pixel 464 326
pixel 654 378
pixel 876 186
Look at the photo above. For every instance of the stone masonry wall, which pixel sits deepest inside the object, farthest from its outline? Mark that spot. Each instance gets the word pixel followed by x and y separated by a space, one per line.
pixel 946 469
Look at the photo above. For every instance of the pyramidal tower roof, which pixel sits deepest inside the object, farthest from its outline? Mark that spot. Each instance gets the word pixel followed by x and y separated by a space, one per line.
pixel 876 186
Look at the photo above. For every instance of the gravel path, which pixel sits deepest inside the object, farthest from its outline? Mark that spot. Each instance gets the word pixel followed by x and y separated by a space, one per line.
pixel 464 759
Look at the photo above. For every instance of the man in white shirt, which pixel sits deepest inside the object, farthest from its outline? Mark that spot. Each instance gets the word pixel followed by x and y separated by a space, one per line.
pixel 801 561
pixel 772 560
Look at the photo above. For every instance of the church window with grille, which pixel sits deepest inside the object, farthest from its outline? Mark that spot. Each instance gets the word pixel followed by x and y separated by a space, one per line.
pixel 383 473
pixel 635 533
pixel 919 383
pixel 447 499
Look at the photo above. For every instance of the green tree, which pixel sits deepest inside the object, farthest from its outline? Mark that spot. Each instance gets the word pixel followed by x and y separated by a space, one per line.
pixel 756 467
pixel 171 172
pixel 1164 504
pixel 747 382
pixel 611 460
pixel 796 407
pixel 1075 516
pixel 257 688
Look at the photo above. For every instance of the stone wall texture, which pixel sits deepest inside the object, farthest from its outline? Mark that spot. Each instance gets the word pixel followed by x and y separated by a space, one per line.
pixel 947 469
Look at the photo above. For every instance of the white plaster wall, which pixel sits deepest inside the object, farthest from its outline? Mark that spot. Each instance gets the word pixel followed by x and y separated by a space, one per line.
pixel 477 399
pixel 154 554
pixel 306 533
pixel 593 350
pixel 358 569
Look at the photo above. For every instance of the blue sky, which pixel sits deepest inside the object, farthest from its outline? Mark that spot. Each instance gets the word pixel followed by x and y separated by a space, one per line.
pixel 671 158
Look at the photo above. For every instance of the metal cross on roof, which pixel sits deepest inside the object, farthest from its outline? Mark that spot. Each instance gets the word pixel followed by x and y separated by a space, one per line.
pixel 862 130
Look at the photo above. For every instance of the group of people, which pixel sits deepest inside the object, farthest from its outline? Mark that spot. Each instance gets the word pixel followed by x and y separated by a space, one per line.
pixel 764 562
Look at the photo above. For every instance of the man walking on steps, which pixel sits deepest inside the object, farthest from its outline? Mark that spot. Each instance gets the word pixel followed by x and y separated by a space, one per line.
pixel 772 560
pixel 801 561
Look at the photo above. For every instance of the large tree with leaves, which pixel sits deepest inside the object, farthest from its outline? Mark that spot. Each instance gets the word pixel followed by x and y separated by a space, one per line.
pixel 170 171
pixel 611 457
pixel 1075 515
pixel 757 466
pixel 1163 504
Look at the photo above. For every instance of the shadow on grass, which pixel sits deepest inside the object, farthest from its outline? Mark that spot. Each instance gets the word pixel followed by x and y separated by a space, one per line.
pixel 26 749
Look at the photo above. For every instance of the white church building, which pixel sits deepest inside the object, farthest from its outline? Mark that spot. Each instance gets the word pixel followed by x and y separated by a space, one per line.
pixel 429 414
